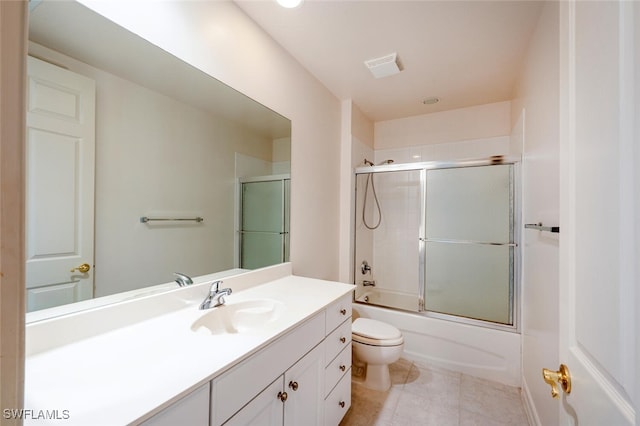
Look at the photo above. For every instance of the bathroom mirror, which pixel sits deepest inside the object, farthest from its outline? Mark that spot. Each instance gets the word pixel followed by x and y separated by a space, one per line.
pixel 161 184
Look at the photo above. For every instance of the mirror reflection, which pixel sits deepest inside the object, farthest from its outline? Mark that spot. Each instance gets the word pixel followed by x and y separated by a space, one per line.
pixel 139 166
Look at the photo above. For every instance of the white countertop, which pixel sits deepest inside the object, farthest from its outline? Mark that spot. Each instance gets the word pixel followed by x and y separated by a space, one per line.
pixel 126 375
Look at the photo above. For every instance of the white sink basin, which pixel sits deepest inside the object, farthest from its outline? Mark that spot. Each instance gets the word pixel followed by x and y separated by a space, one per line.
pixel 240 317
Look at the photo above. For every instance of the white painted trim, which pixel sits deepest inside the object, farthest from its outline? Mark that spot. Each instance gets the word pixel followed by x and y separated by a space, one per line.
pixel 529 405
pixel 13 29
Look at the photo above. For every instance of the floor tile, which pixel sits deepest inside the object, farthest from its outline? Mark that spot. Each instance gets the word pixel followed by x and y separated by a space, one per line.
pixel 425 395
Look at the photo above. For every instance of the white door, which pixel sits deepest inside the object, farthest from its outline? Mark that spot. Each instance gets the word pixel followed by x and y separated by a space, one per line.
pixel 60 159
pixel 599 216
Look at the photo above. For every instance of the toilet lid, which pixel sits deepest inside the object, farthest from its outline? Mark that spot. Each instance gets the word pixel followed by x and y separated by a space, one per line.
pixel 373 329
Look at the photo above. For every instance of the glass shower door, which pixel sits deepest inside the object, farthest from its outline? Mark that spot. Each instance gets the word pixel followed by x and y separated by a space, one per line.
pixel 264 235
pixel 470 242
pixel 388 222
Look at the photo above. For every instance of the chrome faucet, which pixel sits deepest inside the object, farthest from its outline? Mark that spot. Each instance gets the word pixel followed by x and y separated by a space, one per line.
pixel 215 297
pixel 182 279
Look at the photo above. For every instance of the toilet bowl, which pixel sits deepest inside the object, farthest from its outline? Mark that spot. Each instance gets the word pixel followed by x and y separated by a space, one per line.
pixel 376 344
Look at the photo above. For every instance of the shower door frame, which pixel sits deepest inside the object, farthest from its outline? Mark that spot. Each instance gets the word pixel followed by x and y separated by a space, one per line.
pixel 515 262
pixel 286 200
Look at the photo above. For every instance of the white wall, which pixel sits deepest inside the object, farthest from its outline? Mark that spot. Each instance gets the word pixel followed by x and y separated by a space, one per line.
pixel 536 108
pixel 150 149
pixel 473 132
pixel 281 156
pixel 477 122
pixel 459 150
pixel 363 244
pixel 356 145
pixel 219 39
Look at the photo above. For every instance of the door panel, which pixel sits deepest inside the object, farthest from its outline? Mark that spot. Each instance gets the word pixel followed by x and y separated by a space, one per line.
pixel 468 280
pixel 472 203
pixel 597 319
pixel 60 185
pixel 470 244
pixel 264 223
pixel 261 249
pixel 263 206
pixel 52 231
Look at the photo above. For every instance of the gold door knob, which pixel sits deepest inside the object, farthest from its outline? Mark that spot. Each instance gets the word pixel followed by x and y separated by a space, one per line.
pixel 84 268
pixel 282 396
pixel 562 376
pixel 293 385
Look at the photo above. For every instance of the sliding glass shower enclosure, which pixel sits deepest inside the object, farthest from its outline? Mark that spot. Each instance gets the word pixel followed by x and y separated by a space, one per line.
pixel 439 238
pixel 264 221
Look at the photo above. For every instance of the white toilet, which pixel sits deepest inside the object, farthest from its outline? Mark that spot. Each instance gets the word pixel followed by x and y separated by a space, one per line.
pixel 377 344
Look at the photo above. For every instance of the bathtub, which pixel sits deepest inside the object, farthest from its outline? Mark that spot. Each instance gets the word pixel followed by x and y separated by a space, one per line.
pixel 390 298
pixel 478 351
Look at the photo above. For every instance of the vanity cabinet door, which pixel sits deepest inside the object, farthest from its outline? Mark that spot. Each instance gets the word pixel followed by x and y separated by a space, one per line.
pixel 266 409
pixel 234 389
pixel 304 385
pixel 192 410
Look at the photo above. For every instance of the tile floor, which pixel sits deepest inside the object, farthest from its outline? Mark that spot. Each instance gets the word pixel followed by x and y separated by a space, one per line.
pixel 425 396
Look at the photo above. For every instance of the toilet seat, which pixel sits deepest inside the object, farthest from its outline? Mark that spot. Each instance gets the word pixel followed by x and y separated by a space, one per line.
pixel 375 333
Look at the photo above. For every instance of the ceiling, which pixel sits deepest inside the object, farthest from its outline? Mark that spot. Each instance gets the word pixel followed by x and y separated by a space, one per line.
pixel 464 52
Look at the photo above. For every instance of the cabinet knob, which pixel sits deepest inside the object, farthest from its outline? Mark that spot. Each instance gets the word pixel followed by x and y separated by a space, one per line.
pixel 343 339
pixel 343 311
pixel 282 396
pixel 343 367
pixel 293 385
pixel 341 404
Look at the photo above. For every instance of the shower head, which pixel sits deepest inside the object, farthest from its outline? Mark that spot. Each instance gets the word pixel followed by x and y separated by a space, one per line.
pixel 368 163
pixel 386 162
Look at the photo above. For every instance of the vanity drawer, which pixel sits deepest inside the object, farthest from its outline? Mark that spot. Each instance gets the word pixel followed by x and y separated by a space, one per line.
pixel 338 311
pixel 339 339
pixel 338 401
pixel 233 389
pixel 336 369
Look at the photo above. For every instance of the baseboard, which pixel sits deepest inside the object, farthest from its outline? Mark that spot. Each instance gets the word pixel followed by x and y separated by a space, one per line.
pixel 529 407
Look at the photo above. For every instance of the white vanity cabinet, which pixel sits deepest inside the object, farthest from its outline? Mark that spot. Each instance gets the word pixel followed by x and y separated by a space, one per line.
pixel 277 334
pixel 302 378
pixel 292 399
pixel 338 361
pixel 191 410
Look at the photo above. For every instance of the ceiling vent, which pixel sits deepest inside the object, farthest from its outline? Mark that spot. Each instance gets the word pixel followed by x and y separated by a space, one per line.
pixel 384 66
